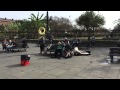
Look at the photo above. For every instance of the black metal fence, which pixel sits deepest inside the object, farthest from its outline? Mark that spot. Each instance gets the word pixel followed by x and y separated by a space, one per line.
pixel 55 33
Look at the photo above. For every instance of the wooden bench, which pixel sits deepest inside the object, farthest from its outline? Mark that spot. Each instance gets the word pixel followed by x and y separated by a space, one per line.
pixel 51 49
pixel 114 51
pixel 19 47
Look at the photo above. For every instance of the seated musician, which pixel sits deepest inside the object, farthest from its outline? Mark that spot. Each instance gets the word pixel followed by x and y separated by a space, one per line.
pixel 59 50
pixel 67 53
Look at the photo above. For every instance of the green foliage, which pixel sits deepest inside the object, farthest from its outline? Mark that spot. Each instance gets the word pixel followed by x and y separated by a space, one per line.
pixel 29 28
pixel 13 27
pixel 37 20
pixel 60 24
pixel 1 28
pixel 90 19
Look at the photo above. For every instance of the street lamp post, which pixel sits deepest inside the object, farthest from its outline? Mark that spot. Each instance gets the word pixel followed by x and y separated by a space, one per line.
pixel 47 21
pixel 50 22
pixel 47 24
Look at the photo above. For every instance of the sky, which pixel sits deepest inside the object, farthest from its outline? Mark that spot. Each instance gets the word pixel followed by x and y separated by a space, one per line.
pixel 110 16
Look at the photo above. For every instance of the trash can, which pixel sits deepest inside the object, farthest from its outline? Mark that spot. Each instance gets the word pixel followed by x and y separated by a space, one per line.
pixel 25 60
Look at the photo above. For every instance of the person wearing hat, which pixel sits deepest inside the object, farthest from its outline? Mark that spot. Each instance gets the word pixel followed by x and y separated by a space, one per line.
pixel 66 41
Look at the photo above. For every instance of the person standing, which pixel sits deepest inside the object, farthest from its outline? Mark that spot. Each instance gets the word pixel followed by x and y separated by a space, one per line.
pixel 42 44
pixel 93 41
pixel 24 41
pixel 4 44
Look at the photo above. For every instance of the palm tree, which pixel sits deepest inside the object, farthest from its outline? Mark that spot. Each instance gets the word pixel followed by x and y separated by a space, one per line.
pixel 37 20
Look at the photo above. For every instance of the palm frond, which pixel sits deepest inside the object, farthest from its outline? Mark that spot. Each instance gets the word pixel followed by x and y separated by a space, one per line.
pixel 37 16
pixel 41 16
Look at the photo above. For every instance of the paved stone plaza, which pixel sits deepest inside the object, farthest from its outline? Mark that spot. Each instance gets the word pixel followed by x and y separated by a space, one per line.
pixel 44 67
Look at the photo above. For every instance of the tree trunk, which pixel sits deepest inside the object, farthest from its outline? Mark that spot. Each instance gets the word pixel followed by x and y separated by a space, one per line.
pixel 88 34
pixel 88 44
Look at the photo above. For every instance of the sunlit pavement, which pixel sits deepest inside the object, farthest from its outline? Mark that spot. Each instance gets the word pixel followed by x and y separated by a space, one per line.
pixel 94 66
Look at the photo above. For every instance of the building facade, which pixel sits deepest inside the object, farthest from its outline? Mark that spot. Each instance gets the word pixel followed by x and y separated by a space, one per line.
pixel 5 21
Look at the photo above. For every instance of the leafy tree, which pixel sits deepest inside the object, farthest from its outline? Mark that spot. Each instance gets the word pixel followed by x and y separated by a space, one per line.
pixel 31 25
pixel 116 30
pixel 90 20
pixel 97 21
pixel 37 20
pixel 12 29
pixel 60 23
pixel 1 28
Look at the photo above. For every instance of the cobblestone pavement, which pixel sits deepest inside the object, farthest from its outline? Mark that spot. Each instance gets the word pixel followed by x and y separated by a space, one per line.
pixel 95 66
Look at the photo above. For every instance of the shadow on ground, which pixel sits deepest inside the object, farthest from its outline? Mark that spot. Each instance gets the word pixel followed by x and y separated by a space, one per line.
pixel 38 54
pixel 2 51
pixel 107 60
pixel 116 62
pixel 15 65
